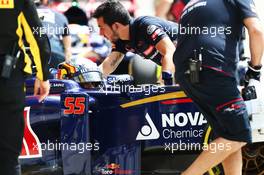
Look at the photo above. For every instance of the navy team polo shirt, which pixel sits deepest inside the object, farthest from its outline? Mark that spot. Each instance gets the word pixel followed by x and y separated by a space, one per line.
pixel 216 26
pixel 145 32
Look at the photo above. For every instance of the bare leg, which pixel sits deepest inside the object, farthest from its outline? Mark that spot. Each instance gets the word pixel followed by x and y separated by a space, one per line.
pixel 212 156
pixel 233 164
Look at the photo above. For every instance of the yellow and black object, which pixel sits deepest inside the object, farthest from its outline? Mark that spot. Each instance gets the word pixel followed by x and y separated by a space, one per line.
pixel 65 71
pixel 20 19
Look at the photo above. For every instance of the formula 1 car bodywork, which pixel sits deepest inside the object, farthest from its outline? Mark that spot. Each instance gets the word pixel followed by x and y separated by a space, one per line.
pixel 147 130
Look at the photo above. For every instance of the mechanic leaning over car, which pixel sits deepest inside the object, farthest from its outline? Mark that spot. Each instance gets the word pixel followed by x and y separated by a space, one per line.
pixel 150 37
pixel 206 64
pixel 18 20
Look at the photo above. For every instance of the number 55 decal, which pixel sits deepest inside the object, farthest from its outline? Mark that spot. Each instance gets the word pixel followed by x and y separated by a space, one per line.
pixel 74 104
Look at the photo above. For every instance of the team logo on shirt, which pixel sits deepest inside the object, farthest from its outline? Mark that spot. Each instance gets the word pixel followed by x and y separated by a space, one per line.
pixel 6 4
pixel 155 34
pixel 47 15
pixel 151 29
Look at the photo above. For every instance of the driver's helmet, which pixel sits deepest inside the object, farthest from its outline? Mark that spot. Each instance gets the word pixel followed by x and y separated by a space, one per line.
pixel 87 76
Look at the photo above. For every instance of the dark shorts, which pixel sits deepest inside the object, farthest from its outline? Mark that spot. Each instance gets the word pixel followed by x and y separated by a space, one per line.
pixel 219 99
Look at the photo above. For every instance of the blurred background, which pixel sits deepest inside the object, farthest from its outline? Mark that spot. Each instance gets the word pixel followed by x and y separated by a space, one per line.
pixel 87 43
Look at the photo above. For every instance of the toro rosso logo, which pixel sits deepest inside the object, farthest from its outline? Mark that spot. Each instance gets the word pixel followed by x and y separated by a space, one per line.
pixel 114 168
pixel 31 145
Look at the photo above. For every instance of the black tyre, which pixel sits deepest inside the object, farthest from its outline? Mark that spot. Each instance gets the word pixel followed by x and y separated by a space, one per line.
pixel 253 159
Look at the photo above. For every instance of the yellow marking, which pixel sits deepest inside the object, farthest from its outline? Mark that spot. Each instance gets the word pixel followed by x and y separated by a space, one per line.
pixel 211 172
pixel 206 138
pixel 84 38
pixel 19 33
pixel 34 48
pixel 156 98
pixel 6 4
pixel 62 74
pixel 158 72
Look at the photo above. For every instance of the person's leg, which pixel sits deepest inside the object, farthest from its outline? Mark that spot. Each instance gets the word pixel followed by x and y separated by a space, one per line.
pixel 218 98
pixel 215 154
pixel 233 164
pixel 11 139
pixel 12 123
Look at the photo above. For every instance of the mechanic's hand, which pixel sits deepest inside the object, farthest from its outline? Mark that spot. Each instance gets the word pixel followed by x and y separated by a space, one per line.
pixel 253 74
pixel 42 88
pixel 167 77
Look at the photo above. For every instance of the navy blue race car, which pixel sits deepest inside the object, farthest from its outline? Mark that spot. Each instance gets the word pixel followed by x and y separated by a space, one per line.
pixel 113 127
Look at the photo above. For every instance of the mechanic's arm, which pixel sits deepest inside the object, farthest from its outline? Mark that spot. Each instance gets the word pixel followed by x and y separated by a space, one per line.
pixel 256 39
pixel 111 62
pixel 167 49
pixel 66 40
pixel 39 47
pixel 256 44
